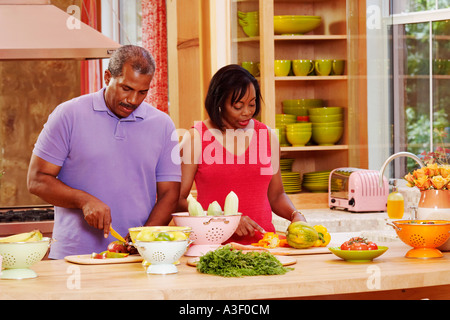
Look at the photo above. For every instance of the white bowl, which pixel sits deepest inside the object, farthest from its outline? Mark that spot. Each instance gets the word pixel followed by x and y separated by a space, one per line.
pixel 162 254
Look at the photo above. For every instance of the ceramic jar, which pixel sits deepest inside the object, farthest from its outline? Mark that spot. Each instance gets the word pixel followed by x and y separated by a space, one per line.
pixel 435 205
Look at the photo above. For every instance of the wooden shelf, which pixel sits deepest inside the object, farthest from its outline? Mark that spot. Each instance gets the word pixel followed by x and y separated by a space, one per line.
pixel 312 37
pixel 311 78
pixel 315 148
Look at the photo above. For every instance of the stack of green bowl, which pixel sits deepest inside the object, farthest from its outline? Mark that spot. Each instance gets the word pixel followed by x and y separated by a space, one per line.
pixel 286 165
pixel 299 107
pixel 327 125
pixel 298 134
pixel 316 181
pixel 281 120
pixel 249 21
pixel 292 182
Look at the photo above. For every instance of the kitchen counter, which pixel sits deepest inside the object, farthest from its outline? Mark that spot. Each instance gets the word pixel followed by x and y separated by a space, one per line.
pixel 314 276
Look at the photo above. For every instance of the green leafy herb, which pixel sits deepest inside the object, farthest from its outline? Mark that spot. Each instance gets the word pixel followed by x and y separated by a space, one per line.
pixel 226 262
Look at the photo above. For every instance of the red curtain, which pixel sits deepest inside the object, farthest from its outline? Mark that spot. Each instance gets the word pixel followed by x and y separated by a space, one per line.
pixel 154 39
pixel 91 80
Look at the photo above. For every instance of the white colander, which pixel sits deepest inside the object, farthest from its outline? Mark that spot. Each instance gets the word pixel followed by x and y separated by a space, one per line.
pixel 19 256
pixel 162 254
pixel 208 232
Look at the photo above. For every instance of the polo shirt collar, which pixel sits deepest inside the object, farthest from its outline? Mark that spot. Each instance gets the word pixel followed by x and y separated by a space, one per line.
pixel 99 104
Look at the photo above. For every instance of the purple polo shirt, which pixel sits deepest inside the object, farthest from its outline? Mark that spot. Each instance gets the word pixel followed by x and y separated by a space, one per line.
pixel 116 160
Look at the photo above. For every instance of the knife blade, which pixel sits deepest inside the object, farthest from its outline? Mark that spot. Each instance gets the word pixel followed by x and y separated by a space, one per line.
pixel 116 235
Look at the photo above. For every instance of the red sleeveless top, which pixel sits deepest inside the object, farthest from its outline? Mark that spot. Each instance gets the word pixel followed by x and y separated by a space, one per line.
pixel 248 175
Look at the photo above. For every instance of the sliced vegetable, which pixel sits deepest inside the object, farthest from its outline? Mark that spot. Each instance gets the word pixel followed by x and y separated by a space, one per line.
pixel 231 204
pixel 214 209
pixel 195 208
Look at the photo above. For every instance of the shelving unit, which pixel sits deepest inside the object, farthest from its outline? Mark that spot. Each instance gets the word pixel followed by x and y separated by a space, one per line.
pixel 338 37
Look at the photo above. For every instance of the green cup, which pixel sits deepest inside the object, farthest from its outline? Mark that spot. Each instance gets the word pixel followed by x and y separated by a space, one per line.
pixel 338 67
pixel 323 67
pixel 302 68
pixel 282 67
pixel 251 67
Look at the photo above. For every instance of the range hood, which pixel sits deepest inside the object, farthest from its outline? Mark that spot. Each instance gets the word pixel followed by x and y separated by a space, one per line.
pixel 36 29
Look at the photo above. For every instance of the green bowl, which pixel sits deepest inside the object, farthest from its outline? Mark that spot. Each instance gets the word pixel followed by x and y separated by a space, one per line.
pixel 327 136
pixel 325 111
pixel 358 255
pixel 281 133
pixel 300 111
pixel 291 24
pixel 299 138
pixel 326 118
pixel 295 103
pixel 283 119
pixel 299 125
pixel 328 124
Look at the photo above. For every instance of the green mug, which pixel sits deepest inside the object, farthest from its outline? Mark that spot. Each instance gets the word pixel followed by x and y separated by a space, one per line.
pixel 338 67
pixel 252 67
pixel 323 67
pixel 282 67
pixel 302 68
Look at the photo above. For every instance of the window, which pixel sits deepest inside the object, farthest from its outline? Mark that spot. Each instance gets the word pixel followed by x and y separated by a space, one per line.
pixel 415 79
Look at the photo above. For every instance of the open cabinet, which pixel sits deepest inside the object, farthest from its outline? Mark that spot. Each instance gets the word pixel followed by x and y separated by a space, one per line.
pixel 341 35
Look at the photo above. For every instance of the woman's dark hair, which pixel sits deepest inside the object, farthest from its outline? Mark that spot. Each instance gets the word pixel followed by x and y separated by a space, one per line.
pixel 229 80
pixel 139 58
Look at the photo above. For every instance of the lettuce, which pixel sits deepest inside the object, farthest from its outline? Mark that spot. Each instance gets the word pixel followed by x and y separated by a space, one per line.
pixel 226 262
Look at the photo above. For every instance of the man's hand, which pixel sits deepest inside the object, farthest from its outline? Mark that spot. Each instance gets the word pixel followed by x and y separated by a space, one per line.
pixel 98 215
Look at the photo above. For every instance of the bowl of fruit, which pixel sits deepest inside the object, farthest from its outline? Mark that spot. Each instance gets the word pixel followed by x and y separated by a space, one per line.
pixel 358 249
pixel 161 249
pixel 20 252
pixel 210 228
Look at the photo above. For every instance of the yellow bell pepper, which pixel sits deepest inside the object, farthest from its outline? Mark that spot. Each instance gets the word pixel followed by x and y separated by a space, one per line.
pixel 270 240
pixel 324 236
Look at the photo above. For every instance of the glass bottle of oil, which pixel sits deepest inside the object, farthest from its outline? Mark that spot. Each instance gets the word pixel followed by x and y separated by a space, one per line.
pixel 395 203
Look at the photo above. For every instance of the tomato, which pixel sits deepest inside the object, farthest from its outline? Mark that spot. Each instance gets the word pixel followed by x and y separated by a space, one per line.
pixel 358 246
pixel 372 245
pixel 345 246
pixel 117 246
pixel 358 243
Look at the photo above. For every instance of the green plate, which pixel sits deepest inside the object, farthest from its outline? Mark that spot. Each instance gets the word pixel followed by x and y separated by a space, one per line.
pixel 358 255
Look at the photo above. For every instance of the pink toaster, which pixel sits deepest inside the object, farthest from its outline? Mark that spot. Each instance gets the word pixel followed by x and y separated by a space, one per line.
pixel 357 190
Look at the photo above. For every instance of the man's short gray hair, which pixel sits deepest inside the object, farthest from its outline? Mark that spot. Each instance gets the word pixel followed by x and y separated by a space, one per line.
pixel 139 58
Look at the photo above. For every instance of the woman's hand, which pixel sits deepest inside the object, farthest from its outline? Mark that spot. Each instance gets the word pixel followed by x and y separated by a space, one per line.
pixel 247 227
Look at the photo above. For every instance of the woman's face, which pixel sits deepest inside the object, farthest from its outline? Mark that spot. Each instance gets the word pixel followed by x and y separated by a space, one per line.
pixel 239 114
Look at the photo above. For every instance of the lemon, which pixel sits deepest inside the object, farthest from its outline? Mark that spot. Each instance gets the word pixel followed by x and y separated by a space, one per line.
pixel 145 235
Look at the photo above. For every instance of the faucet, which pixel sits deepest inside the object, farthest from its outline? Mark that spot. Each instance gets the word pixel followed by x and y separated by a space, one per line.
pixel 397 155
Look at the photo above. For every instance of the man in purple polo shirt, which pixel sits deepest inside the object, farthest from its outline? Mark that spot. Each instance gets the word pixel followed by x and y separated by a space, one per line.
pixel 105 158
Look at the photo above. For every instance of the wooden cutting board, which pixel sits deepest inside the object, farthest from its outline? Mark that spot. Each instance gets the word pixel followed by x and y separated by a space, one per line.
pixel 86 259
pixel 295 252
pixel 284 251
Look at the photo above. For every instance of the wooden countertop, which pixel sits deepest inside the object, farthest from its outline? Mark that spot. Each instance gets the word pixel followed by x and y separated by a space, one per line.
pixel 315 276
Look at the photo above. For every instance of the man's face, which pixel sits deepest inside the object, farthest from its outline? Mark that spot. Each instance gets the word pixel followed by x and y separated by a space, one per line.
pixel 126 92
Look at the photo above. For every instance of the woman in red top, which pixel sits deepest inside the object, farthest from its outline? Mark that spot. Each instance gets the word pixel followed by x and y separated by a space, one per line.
pixel 231 151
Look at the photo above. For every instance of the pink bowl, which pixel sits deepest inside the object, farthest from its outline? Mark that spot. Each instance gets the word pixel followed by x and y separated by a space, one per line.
pixel 208 232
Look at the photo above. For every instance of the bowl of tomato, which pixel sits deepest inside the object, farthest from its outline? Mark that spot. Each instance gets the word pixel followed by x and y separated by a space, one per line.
pixel 358 249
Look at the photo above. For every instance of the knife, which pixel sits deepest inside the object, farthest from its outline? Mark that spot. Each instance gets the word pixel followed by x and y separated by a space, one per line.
pixel 116 235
